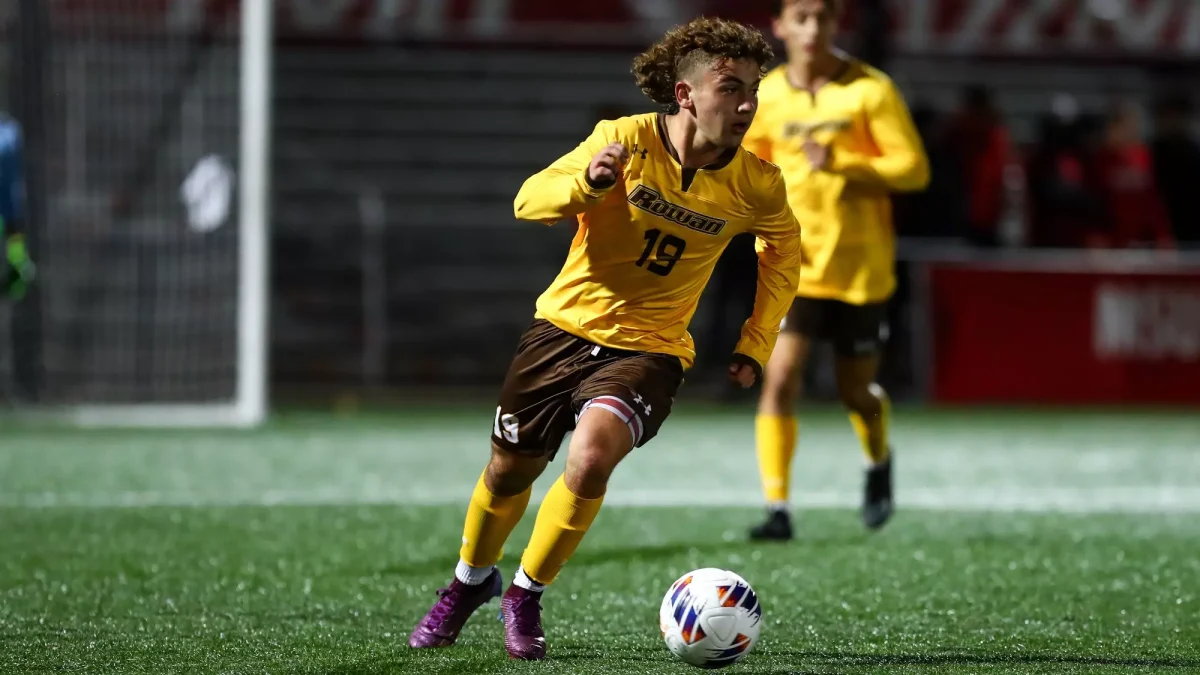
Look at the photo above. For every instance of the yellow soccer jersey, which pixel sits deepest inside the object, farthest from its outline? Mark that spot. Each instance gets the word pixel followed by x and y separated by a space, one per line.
pixel 849 241
pixel 645 247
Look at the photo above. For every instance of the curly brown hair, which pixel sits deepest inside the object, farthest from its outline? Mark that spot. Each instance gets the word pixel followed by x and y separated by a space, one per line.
pixel 700 42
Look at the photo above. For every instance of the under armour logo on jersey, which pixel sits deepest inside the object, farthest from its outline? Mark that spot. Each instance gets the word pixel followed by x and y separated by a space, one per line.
pixel 637 398
pixel 643 151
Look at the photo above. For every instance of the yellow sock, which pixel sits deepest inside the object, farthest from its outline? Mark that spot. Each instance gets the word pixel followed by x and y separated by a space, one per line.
pixel 775 438
pixel 873 433
pixel 561 523
pixel 490 519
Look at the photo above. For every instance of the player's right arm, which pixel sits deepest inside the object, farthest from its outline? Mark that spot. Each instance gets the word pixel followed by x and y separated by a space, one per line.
pixel 575 181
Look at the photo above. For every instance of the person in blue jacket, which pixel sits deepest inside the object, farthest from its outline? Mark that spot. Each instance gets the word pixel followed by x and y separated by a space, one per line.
pixel 18 273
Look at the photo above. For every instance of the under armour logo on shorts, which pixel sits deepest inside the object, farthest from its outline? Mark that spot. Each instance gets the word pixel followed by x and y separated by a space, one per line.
pixel 637 398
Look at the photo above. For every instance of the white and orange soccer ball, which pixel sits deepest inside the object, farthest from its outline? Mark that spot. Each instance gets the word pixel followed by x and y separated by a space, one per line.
pixel 710 618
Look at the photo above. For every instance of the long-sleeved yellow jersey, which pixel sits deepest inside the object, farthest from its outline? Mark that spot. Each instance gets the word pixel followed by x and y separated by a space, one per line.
pixel 646 246
pixel 849 240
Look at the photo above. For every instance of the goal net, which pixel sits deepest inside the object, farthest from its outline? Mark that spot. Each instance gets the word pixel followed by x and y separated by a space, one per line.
pixel 146 139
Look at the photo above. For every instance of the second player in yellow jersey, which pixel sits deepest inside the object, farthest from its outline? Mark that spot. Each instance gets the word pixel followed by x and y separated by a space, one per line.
pixel 843 137
pixel 844 206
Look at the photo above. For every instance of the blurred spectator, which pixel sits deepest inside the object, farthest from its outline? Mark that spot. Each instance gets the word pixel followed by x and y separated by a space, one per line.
pixel 1134 212
pixel 981 141
pixel 1176 157
pixel 1064 207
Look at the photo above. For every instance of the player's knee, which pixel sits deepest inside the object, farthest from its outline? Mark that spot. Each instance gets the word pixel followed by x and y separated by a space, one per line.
pixel 509 473
pixel 600 442
pixel 588 471
pixel 862 399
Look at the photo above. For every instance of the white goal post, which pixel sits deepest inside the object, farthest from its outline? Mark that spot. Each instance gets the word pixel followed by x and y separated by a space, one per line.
pixel 197 357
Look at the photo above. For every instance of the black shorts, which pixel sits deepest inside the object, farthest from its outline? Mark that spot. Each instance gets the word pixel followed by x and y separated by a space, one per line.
pixel 554 376
pixel 854 330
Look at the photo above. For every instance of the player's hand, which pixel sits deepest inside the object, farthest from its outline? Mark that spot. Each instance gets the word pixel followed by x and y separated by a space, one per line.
pixel 742 375
pixel 606 165
pixel 818 155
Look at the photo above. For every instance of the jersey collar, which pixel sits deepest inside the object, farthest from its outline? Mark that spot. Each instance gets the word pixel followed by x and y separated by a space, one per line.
pixel 660 121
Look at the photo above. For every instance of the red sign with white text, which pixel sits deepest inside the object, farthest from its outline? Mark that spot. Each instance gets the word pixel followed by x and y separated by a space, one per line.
pixel 1161 28
pixel 1070 337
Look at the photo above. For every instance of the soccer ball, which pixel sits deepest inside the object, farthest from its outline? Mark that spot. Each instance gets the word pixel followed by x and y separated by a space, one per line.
pixel 710 618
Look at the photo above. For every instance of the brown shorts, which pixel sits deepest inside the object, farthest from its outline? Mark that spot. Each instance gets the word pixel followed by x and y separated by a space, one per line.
pixel 554 376
pixel 854 330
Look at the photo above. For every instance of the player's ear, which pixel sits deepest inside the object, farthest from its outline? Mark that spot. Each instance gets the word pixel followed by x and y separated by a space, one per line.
pixel 683 95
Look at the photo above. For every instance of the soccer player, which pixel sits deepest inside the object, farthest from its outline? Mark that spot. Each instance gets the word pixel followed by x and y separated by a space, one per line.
pixel 843 137
pixel 19 269
pixel 657 197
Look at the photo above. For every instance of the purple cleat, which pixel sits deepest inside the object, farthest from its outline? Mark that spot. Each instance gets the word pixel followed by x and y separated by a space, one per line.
pixel 456 604
pixel 523 636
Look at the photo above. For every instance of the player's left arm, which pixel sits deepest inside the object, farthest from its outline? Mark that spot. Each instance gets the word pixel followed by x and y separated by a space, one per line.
pixel 902 164
pixel 778 248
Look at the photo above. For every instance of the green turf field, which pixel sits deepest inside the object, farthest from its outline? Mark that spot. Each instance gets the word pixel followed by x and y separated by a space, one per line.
pixel 1026 542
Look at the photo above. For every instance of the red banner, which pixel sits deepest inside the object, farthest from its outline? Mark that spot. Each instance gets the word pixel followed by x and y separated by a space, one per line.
pixel 1070 337
pixel 1160 28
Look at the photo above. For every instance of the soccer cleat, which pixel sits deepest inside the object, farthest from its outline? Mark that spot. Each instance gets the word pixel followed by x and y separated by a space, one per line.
pixel 523 636
pixel 777 527
pixel 877 505
pixel 456 604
